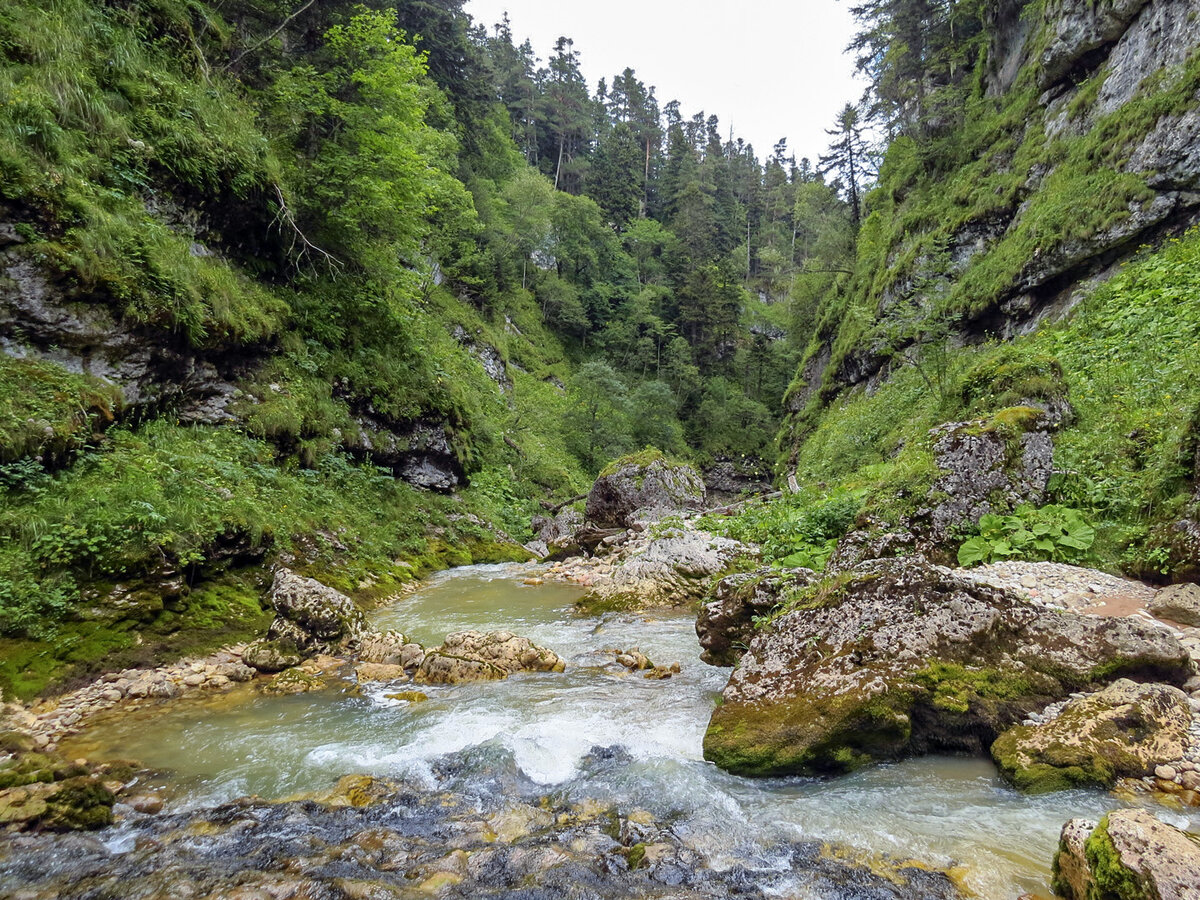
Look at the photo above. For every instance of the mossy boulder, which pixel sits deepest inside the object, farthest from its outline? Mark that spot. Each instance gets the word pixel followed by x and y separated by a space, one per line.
pixel 1129 855
pixel 900 657
pixel 271 656
pixel 1124 730
pixel 643 487
pixel 73 804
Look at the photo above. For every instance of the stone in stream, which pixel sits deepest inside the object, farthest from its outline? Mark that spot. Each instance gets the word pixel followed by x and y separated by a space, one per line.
pixel 900 657
pixel 1131 855
pixel 372 837
pixel 672 569
pixel 310 618
pixel 1126 730
pixel 484 656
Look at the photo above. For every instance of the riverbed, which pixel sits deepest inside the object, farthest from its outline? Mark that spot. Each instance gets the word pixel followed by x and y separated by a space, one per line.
pixel 550 729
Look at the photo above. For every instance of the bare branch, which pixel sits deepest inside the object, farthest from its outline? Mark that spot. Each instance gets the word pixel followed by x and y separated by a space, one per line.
pixel 282 25
pixel 299 240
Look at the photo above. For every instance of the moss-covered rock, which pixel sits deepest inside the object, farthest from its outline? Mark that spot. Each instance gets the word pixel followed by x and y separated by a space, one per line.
pixel 1129 855
pixel 900 657
pixel 1124 730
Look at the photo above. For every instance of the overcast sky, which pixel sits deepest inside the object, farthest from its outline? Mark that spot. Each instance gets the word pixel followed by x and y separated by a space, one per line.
pixel 769 68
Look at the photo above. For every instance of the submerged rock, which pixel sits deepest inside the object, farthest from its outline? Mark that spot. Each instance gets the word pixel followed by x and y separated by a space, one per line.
pixel 484 656
pixel 643 487
pixel 899 657
pixel 371 837
pixel 1125 730
pixel 1130 855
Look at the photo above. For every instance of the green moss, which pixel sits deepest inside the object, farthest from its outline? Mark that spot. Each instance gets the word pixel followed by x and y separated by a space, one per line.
pixel 641 460
pixel 955 687
pixel 636 855
pixel 1113 881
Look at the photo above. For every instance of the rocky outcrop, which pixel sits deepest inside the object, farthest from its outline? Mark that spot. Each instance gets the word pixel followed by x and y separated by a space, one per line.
pixel 726 625
pixel 1081 30
pixel 672 569
pixel 479 656
pixel 899 657
pixel 421 452
pixel 1125 730
pixel 1179 603
pixel 1130 854
pixel 990 465
pixel 310 618
pixel 643 488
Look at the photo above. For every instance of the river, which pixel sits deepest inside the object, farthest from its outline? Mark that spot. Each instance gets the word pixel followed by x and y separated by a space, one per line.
pixel 950 812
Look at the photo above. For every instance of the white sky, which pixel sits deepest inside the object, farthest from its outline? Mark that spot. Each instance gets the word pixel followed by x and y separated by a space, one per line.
pixel 769 68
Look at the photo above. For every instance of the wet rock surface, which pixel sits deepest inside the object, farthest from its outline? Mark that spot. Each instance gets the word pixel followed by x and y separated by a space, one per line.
pixel 900 657
pixel 1130 854
pixel 372 838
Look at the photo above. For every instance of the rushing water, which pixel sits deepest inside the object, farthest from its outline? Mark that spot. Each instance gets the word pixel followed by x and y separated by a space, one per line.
pixel 946 811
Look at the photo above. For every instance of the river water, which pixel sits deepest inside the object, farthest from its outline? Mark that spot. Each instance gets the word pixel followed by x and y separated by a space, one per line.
pixel 950 812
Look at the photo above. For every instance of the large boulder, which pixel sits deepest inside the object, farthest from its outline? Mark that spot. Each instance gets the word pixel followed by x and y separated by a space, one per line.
pixel 1179 603
pixel 740 602
pixel 643 487
pixel 900 657
pixel 1130 855
pixel 310 618
pixel 484 656
pixel 1125 730
pixel 672 569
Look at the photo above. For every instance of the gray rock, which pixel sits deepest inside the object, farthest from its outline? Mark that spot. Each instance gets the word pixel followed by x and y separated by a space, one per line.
pixel 271 655
pixel 988 462
pixel 1079 30
pixel 727 624
pixel 311 616
pixel 902 658
pixel 1179 603
pixel 631 492
pixel 671 570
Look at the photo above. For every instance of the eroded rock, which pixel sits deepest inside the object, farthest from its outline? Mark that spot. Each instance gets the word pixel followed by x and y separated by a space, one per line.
pixel 726 625
pixel 899 657
pixel 484 656
pixel 310 618
pixel 1126 730
pixel 1130 854
pixel 1179 603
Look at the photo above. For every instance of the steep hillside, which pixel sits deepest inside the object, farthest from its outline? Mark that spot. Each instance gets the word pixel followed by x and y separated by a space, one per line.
pixel 1024 263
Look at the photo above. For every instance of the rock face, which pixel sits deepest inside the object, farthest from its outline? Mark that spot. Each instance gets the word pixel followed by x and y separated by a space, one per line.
pixel 1125 730
pixel 1179 603
pixel 1131 854
pixel 674 569
pixel 310 618
pixel 632 491
pixel 726 625
pixel 729 478
pixel 990 465
pixel 1083 28
pixel 899 657
pixel 479 656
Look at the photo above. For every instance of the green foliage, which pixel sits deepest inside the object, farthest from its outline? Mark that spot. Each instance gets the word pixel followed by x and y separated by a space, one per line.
pixel 1052 532
pixel 796 530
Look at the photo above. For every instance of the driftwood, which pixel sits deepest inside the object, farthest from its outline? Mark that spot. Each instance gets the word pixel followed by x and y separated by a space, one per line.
pixel 731 508
pixel 554 509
